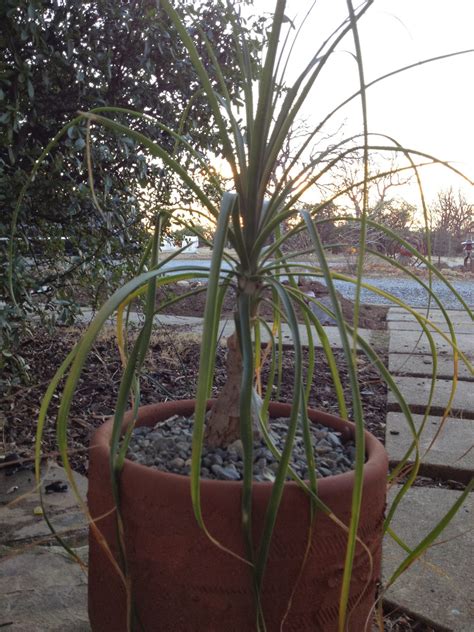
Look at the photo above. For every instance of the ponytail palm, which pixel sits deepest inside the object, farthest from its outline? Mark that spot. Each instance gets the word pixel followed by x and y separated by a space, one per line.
pixel 250 217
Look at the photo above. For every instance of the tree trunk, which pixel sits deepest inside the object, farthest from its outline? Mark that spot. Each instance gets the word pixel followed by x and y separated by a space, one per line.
pixel 223 424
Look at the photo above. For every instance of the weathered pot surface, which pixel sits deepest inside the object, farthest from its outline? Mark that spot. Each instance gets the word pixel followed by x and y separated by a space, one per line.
pixel 182 582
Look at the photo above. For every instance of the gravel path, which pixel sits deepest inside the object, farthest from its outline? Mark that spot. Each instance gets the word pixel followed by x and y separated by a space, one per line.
pixel 404 288
pixel 411 292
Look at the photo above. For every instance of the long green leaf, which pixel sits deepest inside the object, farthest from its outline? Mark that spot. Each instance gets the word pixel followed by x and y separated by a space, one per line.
pixel 358 420
pixel 296 408
pixel 158 152
pixel 208 345
pixel 205 81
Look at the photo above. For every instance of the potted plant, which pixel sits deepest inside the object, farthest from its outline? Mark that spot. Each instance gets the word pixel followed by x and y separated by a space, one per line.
pixel 173 552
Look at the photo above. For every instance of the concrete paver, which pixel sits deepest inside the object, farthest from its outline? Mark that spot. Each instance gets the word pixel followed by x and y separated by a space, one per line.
pixel 42 590
pixel 416 342
pixel 414 325
pixel 19 500
pixel 193 324
pixel 378 339
pixel 449 457
pixel 438 587
pixel 416 390
pixel 435 315
pixel 422 365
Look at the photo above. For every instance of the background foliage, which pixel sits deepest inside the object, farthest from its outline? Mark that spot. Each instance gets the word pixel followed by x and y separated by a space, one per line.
pixel 58 58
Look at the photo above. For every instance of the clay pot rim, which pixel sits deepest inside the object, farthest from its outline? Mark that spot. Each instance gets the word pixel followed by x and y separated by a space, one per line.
pixel 376 462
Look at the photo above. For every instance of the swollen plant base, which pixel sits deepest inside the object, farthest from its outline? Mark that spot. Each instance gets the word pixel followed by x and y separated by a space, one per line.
pixel 182 582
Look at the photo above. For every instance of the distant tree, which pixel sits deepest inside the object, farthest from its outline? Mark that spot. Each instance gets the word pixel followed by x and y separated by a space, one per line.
pixel 326 220
pixel 394 213
pixel 451 219
pixel 384 178
pixel 384 206
pixel 452 213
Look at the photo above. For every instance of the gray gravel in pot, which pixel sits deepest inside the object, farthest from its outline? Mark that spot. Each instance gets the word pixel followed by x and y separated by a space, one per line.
pixel 167 447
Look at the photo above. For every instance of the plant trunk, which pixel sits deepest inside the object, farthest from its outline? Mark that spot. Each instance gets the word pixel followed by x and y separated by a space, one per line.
pixel 223 424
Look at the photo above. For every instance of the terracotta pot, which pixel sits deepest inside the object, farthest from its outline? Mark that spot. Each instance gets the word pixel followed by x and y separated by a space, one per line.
pixel 184 583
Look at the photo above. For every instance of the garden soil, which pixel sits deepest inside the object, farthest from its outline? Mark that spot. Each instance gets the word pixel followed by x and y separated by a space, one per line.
pixel 170 373
pixel 370 316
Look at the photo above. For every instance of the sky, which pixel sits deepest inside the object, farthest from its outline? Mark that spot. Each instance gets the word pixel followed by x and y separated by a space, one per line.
pixel 430 109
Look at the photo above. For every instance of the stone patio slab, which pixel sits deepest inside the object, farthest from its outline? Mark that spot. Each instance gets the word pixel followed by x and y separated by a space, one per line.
pixel 414 325
pixel 378 339
pixel 416 342
pixel 435 315
pixel 42 590
pixel 416 390
pixel 438 587
pixel 448 458
pixel 19 504
pixel 422 366
pixel 193 324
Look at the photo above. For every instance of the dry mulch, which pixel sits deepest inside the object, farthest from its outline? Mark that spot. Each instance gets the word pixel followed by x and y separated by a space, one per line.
pixel 370 316
pixel 397 621
pixel 171 373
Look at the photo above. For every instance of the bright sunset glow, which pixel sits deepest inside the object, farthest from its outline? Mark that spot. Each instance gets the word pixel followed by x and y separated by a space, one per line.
pixel 428 108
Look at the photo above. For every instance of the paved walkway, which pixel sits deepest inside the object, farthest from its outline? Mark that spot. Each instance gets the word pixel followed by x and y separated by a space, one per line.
pixel 42 591
pixel 193 324
pixel 438 587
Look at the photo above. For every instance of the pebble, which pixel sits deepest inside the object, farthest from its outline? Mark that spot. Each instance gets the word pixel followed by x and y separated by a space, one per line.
pixel 167 447
pixel 177 463
pixel 237 447
pixel 228 473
